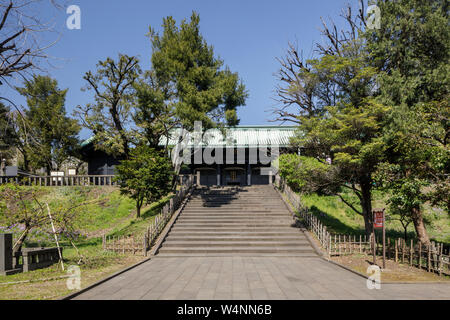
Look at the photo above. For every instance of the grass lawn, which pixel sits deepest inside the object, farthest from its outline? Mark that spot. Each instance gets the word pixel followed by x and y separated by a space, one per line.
pixel 110 213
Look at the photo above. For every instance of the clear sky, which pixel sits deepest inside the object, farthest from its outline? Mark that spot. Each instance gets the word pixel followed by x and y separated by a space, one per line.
pixel 247 35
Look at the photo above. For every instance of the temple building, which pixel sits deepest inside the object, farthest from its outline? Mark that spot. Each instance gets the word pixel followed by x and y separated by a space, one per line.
pixel 241 155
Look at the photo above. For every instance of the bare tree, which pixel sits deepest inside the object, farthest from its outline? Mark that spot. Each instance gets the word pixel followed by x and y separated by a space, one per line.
pixel 336 38
pixel 22 46
pixel 22 52
pixel 303 91
pixel 296 88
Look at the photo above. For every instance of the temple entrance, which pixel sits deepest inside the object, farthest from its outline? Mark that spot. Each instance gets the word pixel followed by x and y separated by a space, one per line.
pixel 234 177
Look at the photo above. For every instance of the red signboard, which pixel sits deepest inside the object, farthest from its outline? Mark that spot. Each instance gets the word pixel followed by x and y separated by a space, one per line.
pixel 378 219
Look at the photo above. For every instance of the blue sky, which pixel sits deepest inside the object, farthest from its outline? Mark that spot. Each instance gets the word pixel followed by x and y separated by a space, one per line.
pixel 247 35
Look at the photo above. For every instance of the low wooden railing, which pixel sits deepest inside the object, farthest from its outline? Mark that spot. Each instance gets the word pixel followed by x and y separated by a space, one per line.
pixel 142 243
pixel 78 180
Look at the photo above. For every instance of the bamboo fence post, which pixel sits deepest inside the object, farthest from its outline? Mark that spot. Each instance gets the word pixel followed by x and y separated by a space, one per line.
pixel 144 246
pixel 360 248
pixel 340 245
pixel 411 252
pixel 420 255
pixel 396 250
pixel 429 258
pixel 329 245
pixel 403 251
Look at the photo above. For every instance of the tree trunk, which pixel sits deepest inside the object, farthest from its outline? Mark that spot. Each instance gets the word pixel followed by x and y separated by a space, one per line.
pixel 366 205
pixel 21 240
pixel 138 208
pixel 421 231
pixel 118 125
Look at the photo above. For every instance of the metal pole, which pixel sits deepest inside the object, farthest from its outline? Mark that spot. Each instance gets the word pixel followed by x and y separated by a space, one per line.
pixel 373 239
pixel 384 241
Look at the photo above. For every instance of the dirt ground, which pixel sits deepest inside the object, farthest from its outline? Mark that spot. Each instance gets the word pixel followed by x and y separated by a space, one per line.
pixel 394 272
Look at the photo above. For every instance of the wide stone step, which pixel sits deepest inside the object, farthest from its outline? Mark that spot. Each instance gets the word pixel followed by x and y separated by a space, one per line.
pixel 238 254
pixel 272 196
pixel 231 210
pixel 231 224
pixel 233 215
pixel 234 210
pixel 231 200
pixel 237 238
pixel 237 206
pixel 241 206
pixel 191 218
pixel 195 244
pixel 250 233
pixel 279 219
pixel 232 250
pixel 228 229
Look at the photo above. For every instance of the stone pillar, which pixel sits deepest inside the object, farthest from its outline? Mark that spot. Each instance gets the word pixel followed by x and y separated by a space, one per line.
pixel 270 177
pixel 198 177
pixel 249 174
pixel 218 174
pixel 6 252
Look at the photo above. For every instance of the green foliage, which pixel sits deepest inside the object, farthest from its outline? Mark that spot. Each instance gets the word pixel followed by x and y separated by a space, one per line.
pixel 185 64
pixel 155 110
pixel 49 136
pixel 411 52
pixel 145 176
pixel 303 174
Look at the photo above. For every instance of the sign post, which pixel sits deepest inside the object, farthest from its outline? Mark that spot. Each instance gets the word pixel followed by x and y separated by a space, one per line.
pixel 379 222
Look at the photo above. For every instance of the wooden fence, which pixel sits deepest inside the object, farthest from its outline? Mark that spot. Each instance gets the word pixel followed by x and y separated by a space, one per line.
pixel 433 258
pixel 81 180
pixel 142 243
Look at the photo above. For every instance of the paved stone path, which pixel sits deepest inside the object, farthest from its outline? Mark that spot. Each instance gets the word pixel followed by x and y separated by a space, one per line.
pixel 262 278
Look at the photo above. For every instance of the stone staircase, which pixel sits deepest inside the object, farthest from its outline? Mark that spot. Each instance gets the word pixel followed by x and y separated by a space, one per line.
pixel 235 221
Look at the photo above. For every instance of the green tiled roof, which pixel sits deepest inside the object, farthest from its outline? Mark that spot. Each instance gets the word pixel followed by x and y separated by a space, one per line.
pixel 239 136
pixel 242 136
